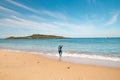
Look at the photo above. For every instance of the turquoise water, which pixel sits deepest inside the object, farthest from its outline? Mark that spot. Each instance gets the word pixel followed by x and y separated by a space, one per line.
pixel 98 46
pixel 76 49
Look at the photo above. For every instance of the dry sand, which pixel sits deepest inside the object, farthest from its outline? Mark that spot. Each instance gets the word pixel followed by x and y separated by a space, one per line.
pixel 26 66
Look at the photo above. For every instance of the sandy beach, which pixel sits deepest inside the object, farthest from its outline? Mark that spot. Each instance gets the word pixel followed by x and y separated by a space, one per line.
pixel 25 66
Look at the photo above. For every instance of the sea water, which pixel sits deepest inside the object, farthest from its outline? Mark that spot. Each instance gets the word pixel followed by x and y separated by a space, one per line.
pixel 99 51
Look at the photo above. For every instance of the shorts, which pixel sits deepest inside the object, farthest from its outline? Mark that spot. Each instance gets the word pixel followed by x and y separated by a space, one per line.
pixel 60 53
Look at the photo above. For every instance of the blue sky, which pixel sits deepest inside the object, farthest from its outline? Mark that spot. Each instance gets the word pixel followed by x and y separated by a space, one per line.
pixel 70 18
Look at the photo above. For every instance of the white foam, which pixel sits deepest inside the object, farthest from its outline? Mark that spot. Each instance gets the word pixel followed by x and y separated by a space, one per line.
pixel 83 58
pixel 109 61
pixel 76 55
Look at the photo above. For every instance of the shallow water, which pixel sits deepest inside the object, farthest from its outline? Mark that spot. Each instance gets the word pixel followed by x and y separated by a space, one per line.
pixel 74 49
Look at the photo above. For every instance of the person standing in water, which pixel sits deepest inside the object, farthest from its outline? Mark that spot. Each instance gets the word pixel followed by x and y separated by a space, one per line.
pixel 60 51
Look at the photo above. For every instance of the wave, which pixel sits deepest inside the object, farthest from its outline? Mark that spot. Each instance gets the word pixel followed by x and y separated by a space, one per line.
pixel 80 58
pixel 78 55
pixel 74 55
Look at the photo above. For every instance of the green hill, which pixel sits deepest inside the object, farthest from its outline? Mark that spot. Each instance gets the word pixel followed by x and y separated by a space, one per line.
pixel 35 36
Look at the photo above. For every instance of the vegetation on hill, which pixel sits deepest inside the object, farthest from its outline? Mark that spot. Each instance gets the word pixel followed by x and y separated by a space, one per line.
pixel 36 36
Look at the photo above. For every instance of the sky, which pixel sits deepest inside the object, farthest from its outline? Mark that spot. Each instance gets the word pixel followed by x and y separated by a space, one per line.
pixel 69 18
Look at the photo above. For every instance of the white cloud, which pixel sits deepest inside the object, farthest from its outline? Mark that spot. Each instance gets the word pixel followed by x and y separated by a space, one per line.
pixel 9 11
pixel 35 17
pixel 55 28
pixel 78 30
pixel 57 15
pixel 19 22
pixel 23 6
pixel 113 20
pixel 42 27
pixel 50 27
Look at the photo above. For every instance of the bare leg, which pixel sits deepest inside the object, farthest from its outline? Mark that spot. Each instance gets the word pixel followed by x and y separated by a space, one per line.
pixel 60 58
pixel 60 55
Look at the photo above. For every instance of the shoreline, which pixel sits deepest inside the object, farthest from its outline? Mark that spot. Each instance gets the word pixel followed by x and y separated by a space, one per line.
pixel 25 66
pixel 86 59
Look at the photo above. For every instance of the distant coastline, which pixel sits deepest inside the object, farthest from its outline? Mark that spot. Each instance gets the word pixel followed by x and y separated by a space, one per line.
pixel 35 36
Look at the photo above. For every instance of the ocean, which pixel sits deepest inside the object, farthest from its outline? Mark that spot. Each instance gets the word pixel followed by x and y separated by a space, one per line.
pixel 96 51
